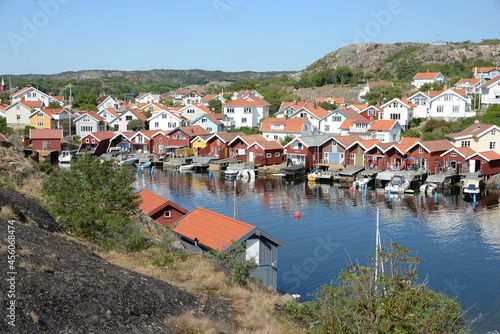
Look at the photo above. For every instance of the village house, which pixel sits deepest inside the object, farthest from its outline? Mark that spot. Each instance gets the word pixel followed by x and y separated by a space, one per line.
pixel 383 130
pixel 243 94
pixel 96 142
pixel 422 78
pixel 202 230
pixel 265 153
pixel 420 101
pixel 479 136
pixel 279 128
pixel 17 115
pixel 193 111
pixel 148 97
pixel 355 153
pixel 110 114
pixel 456 159
pixel 370 85
pixel 330 124
pixel 160 209
pixel 334 149
pixel 199 144
pixel 305 151
pixel 177 138
pixel 450 105
pixel 106 102
pixel 88 122
pixel 247 111
pixel 309 110
pixel 398 110
pixel 120 123
pixel 30 93
pixel 51 119
pixel 376 157
pixel 166 120
pixel 142 141
pixel 46 139
pixel 216 145
pixel 185 97
pixel 150 107
pixel 490 91
pixel 471 85
pixel 371 112
pixel 486 73
pixel 238 146
pixel 484 163
pixel 428 154
pixel 210 122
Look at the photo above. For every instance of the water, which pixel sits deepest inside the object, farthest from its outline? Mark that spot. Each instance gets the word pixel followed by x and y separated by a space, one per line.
pixel 458 242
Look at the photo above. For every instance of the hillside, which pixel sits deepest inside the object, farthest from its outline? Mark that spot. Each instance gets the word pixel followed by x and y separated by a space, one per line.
pixel 377 57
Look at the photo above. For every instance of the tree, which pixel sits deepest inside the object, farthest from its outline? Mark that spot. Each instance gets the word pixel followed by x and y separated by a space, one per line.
pixel 328 106
pixel 381 94
pixel 95 200
pixel 135 125
pixel 85 101
pixel 54 105
pixel 389 302
pixel 286 140
pixel 4 98
pixel 492 115
pixel 430 86
pixel 215 105
pixel 3 126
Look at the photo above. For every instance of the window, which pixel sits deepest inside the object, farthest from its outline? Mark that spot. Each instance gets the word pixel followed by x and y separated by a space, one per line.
pixel 244 120
pixel 209 129
pixel 275 137
pixel 453 155
pixel 160 140
pixel 465 143
pixel 493 145
pixel 277 154
pixel 230 110
pixel 86 118
pixel 167 214
pixel 150 108
pixel 157 124
pixel 39 114
pixel 171 125
pixel 456 108
pixel 372 112
pixel 327 127
pixel 28 95
pixel 93 141
pixel 493 132
pixel 240 151
pixel 269 155
pixel 39 124
pixel 128 118
pixel 448 97
pixel 164 116
pixel 87 140
pixel 421 150
pixel 297 146
pixel 139 139
pixel 86 128
pixel 117 127
pixel 247 111
pixel 439 109
pixel 352 156
pixel 204 120
pixel 336 119
pixel 395 116
pixel 190 111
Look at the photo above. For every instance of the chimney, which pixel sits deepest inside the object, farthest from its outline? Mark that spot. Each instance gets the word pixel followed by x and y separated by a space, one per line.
pixel 29 85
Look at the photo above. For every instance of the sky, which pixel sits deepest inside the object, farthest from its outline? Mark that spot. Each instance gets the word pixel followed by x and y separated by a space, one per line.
pixel 52 36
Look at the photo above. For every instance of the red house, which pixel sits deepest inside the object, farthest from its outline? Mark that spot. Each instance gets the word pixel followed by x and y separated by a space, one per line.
pixel 238 146
pixel 96 142
pixel 334 149
pixel 46 139
pixel 305 150
pixel 181 137
pixel 486 163
pixel 217 145
pixel 142 141
pixel 428 154
pixel 455 159
pixel 265 153
pixel 356 152
pixel 161 210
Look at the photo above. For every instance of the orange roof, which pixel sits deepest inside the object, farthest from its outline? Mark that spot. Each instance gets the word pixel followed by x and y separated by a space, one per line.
pixel 337 100
pixel 46 133
pixel 347 140
pixel 194 130
pixel 469 81
pixel 32 104
pixel 351 113
pixel 489 155
pixel 484 69
pixel 426 75
pixel 408 140
pixel 151 203
pixel 103 135
pixel 268 144
pixel 383 125
pixel 211 229
pixel 208 97
pixel 475 129
pixel 290 124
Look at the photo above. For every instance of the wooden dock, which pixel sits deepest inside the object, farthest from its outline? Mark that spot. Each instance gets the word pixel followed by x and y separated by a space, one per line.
pixel 415 177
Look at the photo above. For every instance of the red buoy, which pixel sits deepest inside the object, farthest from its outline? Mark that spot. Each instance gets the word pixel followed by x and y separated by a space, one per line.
pixel 297 215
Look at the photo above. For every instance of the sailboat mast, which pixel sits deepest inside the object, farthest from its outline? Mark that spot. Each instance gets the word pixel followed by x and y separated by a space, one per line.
pixel 378 244
pixel 234 200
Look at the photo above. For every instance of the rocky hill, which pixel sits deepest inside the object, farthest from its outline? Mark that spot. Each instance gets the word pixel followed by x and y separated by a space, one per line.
pixel 376 57
pixel 62 286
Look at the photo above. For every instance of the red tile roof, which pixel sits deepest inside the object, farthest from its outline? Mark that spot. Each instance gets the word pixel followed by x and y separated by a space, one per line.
pixel 383 125
pixel 474 130
pixel 426 75
pixel 46 133
pixel 103 135
pixel 250 101
pixel 491 82
pixel 290 124
pixel 194 130
pixel 267 144
pixel 468 81
pixel 484 69
pixel 151 203
pixel 211 229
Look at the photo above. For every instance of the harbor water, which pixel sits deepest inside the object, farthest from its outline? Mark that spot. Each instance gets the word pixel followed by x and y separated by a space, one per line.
pixel 328 227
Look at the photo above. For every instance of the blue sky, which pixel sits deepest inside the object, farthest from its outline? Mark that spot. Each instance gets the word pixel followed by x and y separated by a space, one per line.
pixel 52 36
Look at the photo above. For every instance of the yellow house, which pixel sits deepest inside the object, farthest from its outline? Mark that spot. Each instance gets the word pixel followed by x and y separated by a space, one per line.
pixel 479 137
pixel 150 107
pixel 199 143
pixel 51 119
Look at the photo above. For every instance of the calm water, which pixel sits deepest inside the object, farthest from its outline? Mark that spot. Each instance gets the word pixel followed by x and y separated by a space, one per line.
pixel 459 243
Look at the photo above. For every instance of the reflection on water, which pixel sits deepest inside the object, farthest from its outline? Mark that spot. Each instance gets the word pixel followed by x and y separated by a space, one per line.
pixel 458 242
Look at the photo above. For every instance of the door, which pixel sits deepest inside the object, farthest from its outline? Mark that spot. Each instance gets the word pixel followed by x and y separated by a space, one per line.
pixel 359 159
pixel 334 158
pixel 251 156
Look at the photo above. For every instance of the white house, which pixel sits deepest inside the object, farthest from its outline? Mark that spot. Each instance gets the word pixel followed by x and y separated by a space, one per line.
pixel 471 85
pixel 148 97
pixel 193 110
pixel 88 122
pixel 186 97
pixel 246 93
pixel 397 110
pixel 109 114
pixel 30 93
pixel 106 102
pixel 331 122
pixel 246 112
pixel 421 79
pixel 166 120
pixel 490 91
pixel 120 123
pixel 384 130
pixel 486 73
pixel 278 128
pixel 309 110
pixel 17 115
pixel 210 122
pixel 450 105
pixel 209 97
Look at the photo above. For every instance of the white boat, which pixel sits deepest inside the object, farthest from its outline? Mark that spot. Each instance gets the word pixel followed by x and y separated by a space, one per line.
pixel 185 168
pixel 231 173
pixel 363 179
pixel 428 188
pixel 246 174
pixel 472 186
pixel 128 160
pixel 398 184
pixel 65 157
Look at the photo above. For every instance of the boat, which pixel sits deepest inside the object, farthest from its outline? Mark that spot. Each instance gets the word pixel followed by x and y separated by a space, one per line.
pixel 246 174
pixel 66 156
pixel 315 175
pixel 185 168
pixel 472 186
pixel 128 160
pixel 398 184
pixel 145 164
pixel 428 188
pixel 231 173
pixel 363 179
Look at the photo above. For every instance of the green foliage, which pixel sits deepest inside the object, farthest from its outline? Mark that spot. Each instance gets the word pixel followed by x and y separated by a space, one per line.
pixel 162 259
pixel 328 106
pixel 392 302
pixel 85 101
pixel 382 94
pixel 96 201
pixel 413 133
pixel 44 167
pixel 430 86
pixel 135 125
pixel 5 98
pixel 235 267
pixel 54 105
pixel 215 105
pixel 27 129
pixel 240 85
pixel 286 140
pixel 246 130
pixel 406 69
pixel 492 115
pixel 3 125
pixel 407 53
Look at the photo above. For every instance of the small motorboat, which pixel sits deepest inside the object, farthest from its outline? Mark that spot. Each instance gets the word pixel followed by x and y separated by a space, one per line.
pixel 472 186
pixel 362 180
pixel 185 168
pixel 315 175
pixel 128 160
pixel 398 184
pixel 65 157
